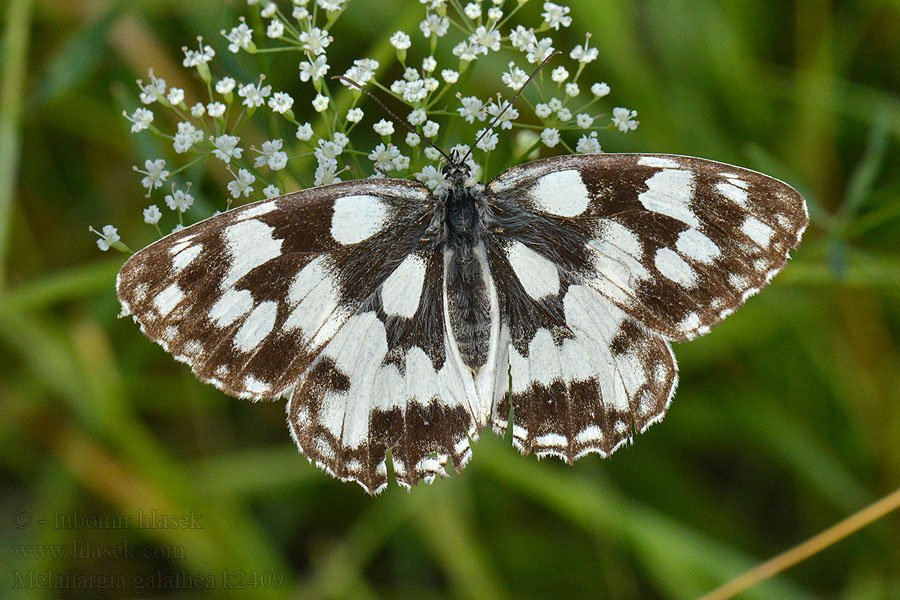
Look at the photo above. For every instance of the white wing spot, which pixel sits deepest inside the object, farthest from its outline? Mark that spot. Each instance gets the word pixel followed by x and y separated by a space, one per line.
pixel 733 192
pixel 537 274
pixel 357 218
pixel 670 193
pixel 694 244
pixel 757 231
pixel 690 322
pixel 255 386
pixel 186 257
pixel 258 325
pixel 673 267
pixel 562 193
pixel 167 299
pixel 230 307
pixel 401 291
pixel 658 161
pixel 592 433
pixel 316 298
pixel 257 210
pixel 250 244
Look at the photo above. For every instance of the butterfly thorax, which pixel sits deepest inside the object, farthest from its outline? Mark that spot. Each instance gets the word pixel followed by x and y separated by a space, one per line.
pixel 465 262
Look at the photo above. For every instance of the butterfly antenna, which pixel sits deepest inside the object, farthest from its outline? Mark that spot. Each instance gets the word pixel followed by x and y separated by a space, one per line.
pixel 390 112
pixel 509 104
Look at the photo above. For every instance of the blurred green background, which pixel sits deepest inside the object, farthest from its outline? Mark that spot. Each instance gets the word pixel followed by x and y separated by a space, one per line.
pixel 787 418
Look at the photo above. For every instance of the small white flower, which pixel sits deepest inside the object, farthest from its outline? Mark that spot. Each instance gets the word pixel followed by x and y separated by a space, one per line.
pixel 588 144
pixel 416 117
pixel 193 58
pixel 495 13
pixel 325 173
pixel 473 10
pixel 154 174
pixel 572 89
pixel 241 184
pixel 522 38
pixel 559 74
pixel 412 140
pixel 152 215
pixel 384 156
pixel 506 116
pixel 275 29
pixel 383 127
pixel 563 114
pixel 178 200
pixel 543 110
pixel 271 191
pixel 489 141
pixel 331 5
pixel 430 129
pixel 432 153
pixel 515 77
pixel 450 76
pixel 254 95
pixel 556 15
pixel 109 237
pixel 327 149
pixel 434 25
pixel 431 177
pixel 300 14
pixel 485 39
pixel 281 102
pixel 584 120
pixel 434 4
pixel 624 119
pixel 215 109
pixel 153 90
pixel 314 69
pixel 471 109
pixel 140 119
pixel 225 85
pixel 584 54
pixel 467 51
pixel 226 147
pixel 341 140
pixel 198 110
pixel 176 96
pixel 354 115
pixel 540 51
pixel 431 84
pixel 178 227
pixel 272 155
pixel 429 64
pixel 400 40
pixel 550 137
pixel 600 89
pixel 320 103
pixel 362 71
pixel 315 40
pixel 186 137
pixel 268 10
pixel 304 132
pixel 240 37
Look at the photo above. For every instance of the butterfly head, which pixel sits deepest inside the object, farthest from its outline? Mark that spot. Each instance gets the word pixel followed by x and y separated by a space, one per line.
pixel 456 171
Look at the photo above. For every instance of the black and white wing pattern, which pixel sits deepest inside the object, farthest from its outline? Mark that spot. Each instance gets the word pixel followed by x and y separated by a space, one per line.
pixel 330 296
pixel 392 317
pixel 599 262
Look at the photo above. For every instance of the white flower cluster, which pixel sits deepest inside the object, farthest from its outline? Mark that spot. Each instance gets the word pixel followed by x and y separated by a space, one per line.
pixel 318 150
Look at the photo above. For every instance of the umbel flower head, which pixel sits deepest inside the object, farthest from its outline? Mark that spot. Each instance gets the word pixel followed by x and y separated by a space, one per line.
pixel 314 129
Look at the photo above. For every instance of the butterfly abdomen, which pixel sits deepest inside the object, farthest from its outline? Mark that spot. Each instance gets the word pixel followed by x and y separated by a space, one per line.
pixel 468 304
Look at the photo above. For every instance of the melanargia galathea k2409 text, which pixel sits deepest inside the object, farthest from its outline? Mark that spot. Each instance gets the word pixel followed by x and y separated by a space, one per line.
pixel 392 316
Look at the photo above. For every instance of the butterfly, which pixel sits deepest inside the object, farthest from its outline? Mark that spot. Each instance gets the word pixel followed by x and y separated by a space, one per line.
pixel 397 319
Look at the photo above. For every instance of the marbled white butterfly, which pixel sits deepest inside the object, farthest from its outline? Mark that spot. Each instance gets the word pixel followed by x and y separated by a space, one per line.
pixel 396 318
